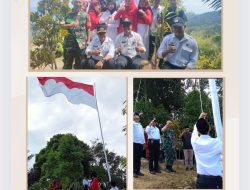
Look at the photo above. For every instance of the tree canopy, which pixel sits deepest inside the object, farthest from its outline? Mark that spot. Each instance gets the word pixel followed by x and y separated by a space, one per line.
pixel 67 158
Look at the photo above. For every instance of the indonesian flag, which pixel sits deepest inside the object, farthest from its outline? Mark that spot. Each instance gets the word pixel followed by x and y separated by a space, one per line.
pixel 76 93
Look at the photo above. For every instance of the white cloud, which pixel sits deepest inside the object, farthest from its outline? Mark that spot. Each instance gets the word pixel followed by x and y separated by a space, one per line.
pixel 48 116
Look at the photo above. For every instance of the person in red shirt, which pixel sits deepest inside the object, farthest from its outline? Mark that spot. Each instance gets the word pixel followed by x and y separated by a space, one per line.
pixel 95 182
pixel 127 10
pixel 144 20
pixel 94 14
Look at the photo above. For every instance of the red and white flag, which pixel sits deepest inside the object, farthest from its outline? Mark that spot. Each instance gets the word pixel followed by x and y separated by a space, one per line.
pixel 76 93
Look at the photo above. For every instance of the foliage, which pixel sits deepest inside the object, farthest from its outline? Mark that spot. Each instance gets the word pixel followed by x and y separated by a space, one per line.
pixel 64 157
pixel 47 34
pixel 206 29
pixel 216 4
pixel 70 159
pixel 182 97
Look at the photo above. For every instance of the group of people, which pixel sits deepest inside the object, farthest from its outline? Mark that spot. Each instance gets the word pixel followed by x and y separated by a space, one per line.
pixel 119 34
pixel 207 150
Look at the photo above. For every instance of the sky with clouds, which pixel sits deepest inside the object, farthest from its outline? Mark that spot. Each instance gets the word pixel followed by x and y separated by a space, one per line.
pixel 48 116
pixel 196 6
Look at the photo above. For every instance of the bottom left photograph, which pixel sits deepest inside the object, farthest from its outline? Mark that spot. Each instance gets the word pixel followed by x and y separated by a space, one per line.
pixel 76 133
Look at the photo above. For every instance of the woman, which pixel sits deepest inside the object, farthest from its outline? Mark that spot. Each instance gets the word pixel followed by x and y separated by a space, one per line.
pixel 94 14
pixel 108 18
pixel 144 20
pixel 127 10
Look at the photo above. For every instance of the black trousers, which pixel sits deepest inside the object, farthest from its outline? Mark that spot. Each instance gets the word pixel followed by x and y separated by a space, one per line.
pixel 125 62
pixel 154 153
pixel 138 150
pixel 91 62
pixel 208 182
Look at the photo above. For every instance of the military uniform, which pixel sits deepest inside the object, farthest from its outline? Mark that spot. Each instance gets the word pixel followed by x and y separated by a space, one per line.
pixel 168 142
pixel 75 42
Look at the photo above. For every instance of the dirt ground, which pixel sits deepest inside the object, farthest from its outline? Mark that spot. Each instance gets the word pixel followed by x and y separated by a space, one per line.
pixel 182 179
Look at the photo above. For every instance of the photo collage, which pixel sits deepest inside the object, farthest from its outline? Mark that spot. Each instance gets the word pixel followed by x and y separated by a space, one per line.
pixel 122 95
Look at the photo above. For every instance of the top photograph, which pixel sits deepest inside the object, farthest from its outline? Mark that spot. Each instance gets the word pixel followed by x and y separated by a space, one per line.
pixel 125 35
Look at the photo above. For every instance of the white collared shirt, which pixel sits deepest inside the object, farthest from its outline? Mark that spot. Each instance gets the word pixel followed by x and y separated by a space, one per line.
pixel 128 44
pixel 107 47
pixel 138 133
pixel 111 23
pixel 208 152
pixel 186 53
pixel 153 133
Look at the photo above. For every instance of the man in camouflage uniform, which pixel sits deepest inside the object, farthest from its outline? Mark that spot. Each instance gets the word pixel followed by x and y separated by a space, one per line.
pixel 168 145
pixel 77 23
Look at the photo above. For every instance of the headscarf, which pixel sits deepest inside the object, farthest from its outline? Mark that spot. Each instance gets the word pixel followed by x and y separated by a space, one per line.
pixel 131 9
pixel 146 7
pixel 114 3
pixel 92 6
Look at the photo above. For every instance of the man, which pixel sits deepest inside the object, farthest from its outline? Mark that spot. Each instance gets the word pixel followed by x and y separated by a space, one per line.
pixel 101 50
pixel 154 39
pixel 77 24
pixel 154 141
pixel 187 148
pixel 138 144
pixel 208 152
pixel 113 186
pixel 178 50
pixel 129 45
pixel 86 182
pixel 168 146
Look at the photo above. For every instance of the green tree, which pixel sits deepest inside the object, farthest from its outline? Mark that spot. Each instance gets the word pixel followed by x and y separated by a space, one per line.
pixel 64 157
pixel 47 34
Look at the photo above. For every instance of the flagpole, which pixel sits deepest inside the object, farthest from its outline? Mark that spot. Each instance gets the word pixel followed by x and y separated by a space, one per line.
pixel 102 137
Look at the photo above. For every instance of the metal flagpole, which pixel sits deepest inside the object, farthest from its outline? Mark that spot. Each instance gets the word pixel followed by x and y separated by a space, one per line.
pixel 200 95
pixel 106 159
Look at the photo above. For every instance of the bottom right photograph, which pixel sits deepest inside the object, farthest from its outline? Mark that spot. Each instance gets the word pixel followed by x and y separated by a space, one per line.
pixel 178 133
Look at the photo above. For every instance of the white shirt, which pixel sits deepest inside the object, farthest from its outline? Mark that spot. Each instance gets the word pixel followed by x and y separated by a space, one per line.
pixel 107 47
pixel 86 182
pixel 186 53
pixel 128 43
pixel 138 133
pixel 114 188
pixel 153 133
pixel 111 23
pixel 208 152
pixel 155 11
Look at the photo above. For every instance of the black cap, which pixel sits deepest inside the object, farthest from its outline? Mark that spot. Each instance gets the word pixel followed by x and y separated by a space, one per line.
pixel 101 28
pixel 126 22
pixel 178 22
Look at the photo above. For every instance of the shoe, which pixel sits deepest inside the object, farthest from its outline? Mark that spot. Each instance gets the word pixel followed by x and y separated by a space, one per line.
pixel 152 172
pixel 158 171
pixel 168 170
pixel 187 169
pixel 135 175
pixel 171 169
pixel 140 174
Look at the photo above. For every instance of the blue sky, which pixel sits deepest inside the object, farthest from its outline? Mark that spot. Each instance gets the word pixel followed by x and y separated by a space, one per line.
pixel 196 6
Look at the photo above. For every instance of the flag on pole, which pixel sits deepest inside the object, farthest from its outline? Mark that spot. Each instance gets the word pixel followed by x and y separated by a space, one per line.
pixel 75 92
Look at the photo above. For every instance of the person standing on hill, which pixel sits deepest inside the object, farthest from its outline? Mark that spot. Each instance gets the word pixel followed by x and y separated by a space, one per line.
pixel 168 145
pixel 208 154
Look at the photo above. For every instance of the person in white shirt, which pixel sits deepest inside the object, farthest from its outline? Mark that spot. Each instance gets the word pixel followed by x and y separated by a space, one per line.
pixel 138 144
pixel 154 141
pixel 86 182
pixel 108 18
pixel 101 50
pixel 129 45
pixel 208 154
pixel 113 186
pixel 178 50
